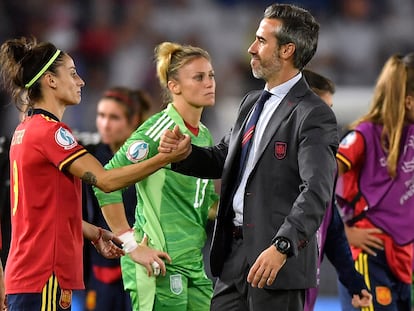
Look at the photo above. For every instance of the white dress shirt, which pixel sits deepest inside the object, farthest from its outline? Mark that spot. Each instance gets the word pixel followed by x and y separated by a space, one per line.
pixel 278 93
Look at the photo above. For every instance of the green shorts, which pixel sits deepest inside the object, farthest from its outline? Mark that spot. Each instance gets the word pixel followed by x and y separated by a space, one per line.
pixel 181 289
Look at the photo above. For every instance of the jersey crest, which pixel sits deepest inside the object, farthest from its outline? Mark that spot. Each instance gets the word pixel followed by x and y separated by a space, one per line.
pixel 383 295
pixel 65 300
pixel 137 151
pixel 176 284
pixel 65 139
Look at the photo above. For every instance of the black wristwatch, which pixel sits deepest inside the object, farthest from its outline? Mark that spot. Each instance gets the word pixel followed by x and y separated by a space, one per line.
pixel 282 245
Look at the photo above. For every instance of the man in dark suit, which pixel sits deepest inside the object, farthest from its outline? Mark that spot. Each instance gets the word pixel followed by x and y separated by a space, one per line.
pixel 264 249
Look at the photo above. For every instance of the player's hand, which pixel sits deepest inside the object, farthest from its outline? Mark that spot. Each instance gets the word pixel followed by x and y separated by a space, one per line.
pixel 365 238
pixel 175 145
pixel 266 267
pixel 170 140
pixel 105 245
pixel 146 256
pixel 362 300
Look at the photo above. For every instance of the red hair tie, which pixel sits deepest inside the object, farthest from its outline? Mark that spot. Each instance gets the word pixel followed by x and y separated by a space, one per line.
pixel 120 96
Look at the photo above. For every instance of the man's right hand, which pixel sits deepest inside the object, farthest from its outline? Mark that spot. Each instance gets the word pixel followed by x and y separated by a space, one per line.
pixel 175 144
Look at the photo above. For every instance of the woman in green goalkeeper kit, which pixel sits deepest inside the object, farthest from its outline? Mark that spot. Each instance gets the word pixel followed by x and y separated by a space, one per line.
pixel 172 209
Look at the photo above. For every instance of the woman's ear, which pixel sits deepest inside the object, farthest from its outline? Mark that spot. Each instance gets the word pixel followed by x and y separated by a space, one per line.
pixel 51 80
pixel 174 87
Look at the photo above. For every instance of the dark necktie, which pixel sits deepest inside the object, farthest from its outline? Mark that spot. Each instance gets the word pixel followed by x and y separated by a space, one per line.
pixel 250 127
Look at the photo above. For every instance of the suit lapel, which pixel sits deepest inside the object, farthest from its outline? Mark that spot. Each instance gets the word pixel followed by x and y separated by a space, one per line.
pixel 285 108
pixel 231 165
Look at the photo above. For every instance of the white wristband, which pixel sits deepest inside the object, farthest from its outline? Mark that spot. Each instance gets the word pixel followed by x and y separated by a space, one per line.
pixel 128 241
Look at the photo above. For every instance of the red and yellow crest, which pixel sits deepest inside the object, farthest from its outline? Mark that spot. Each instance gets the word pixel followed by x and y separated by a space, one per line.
pixel 383 295
pixel 65 298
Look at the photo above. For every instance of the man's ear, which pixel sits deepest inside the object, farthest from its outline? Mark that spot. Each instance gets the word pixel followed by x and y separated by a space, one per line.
pixel 287 50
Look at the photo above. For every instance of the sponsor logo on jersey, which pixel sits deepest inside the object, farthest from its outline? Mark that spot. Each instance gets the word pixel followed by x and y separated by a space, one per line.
pixel 137 151
pixel 348 140
pixel 65 298
pixel 65 139
pixel 383 295
pixel 176 284
pixel 280 150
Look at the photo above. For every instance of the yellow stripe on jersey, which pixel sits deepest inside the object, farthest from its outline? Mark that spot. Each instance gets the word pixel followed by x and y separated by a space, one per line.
pixel 49 295
pixel 68 160
pixel 344 160
pixel 361 265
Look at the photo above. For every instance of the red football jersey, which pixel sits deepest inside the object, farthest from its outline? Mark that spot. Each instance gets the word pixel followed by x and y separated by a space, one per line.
pixel 351 152
pixel 46 210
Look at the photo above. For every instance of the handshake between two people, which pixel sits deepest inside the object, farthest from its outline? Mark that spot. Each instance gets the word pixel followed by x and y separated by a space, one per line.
pixel 176 144
pixel 174 147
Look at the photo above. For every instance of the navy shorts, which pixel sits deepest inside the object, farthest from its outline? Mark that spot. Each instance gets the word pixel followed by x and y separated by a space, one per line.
pixel 388 293
pixel 52 298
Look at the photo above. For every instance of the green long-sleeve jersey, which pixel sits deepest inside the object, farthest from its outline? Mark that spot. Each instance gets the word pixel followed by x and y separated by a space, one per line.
pixel 172 208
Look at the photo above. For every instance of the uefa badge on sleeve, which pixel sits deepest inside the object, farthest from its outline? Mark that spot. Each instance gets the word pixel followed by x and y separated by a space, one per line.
pixel 65 139
pixel 137 151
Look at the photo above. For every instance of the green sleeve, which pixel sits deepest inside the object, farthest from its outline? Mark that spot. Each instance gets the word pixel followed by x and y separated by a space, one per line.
pixel 134 150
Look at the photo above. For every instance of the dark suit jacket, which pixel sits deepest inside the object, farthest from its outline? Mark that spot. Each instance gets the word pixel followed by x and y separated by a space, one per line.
pixel 288 189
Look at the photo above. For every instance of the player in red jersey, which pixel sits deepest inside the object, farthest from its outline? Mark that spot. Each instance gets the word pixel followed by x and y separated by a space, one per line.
pixel 375 188
pixel 46 168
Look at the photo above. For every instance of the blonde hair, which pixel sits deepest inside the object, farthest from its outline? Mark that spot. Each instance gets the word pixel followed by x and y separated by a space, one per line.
pixel 394 83
pixel 170 57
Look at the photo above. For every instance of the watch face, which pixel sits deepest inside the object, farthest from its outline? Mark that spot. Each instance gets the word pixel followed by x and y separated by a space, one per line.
pixel 282 245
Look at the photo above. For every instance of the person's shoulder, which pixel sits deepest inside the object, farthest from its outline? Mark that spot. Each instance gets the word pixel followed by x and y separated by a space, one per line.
pixel 39 128
pixel 253 94
pixel 312 101
pixel 152 129
pixel 352 139
pixel 155 119
pixel 249 97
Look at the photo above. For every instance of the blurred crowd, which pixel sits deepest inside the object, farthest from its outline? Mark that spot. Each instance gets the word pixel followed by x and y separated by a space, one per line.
pixel 112 42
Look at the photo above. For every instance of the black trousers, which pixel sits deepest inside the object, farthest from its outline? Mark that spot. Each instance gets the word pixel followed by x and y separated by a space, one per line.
pixel 233 293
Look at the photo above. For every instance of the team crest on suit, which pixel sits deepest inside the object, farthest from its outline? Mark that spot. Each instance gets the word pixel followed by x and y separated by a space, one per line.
pixel 280 150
